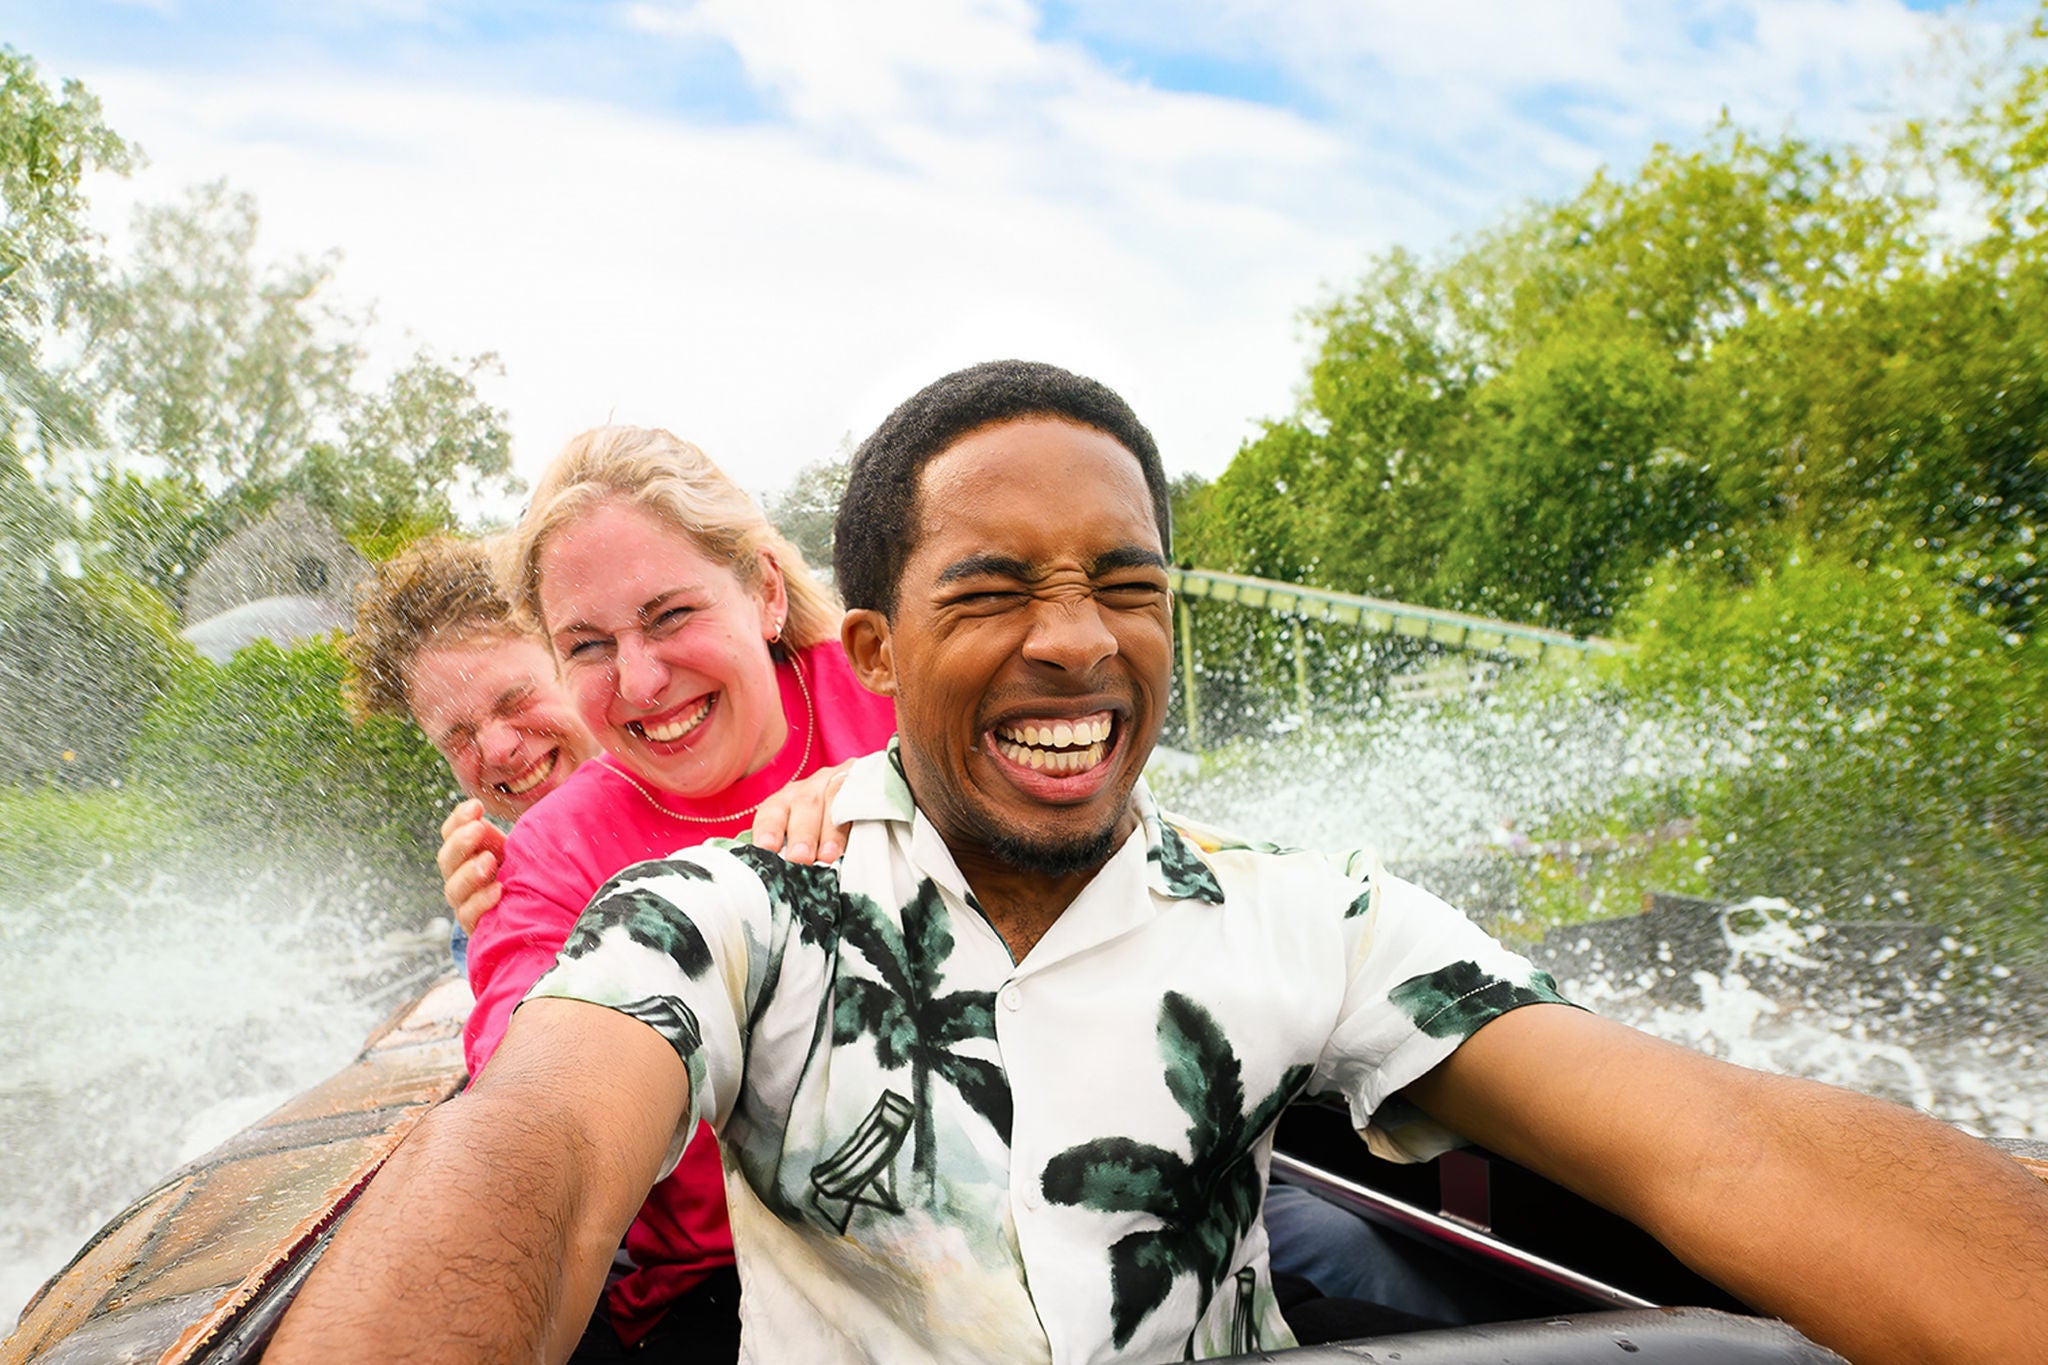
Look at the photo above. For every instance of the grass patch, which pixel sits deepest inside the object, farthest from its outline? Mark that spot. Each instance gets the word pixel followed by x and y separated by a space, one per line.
pixel 53 835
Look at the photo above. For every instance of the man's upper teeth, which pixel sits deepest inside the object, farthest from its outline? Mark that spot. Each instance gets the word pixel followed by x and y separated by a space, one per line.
pixel 1058 734
pixel 529 779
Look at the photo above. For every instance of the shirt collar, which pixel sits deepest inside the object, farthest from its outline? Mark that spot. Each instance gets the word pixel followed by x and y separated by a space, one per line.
pixel 875 789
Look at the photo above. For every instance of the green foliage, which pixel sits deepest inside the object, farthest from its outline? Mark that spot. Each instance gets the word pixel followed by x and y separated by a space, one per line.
pixel 55 836
pixel 48 256
pixel 804 511
pixel 81 660
pixel 1894 736
pixel 1579 481
pixel 261 746
pixel 221 371
pixel 1737 346
pixel 240 383
pixel 407 453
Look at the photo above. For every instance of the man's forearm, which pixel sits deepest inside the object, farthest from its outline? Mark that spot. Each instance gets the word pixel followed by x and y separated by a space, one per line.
pixel 486 1236
pixel 1883 1233
pixel 445 1225
pixel 1878 1232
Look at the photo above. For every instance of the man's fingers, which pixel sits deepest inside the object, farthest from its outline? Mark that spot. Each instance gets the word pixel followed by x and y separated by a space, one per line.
pixel 474 890
pixel 479 836
pixel 463 812
pixel 458 846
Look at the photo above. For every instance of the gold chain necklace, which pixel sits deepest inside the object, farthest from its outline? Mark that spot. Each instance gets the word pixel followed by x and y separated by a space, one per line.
pixel 810 714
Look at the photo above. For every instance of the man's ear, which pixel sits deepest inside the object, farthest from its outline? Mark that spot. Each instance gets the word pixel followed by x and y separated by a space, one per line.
pixel 864 633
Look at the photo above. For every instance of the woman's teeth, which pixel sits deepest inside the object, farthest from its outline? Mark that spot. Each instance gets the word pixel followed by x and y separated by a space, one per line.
pixel 1047 747
pixel 674 729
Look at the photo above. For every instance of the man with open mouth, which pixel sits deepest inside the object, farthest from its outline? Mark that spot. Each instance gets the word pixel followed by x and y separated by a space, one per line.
pixel 1002 1084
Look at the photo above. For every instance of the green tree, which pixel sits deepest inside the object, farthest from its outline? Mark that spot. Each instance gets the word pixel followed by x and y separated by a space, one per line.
pixel 805 509
pixel 408 454
pixel 49 258
pixel 228 383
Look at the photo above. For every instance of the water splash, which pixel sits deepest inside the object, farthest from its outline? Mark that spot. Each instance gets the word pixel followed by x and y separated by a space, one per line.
pixel 1890 1010
pixel 1897 1010
pixel 146 1015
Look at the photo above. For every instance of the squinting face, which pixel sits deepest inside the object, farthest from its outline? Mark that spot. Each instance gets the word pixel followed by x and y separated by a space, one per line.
pixel 494 709
pixel 663 650
pixel 1031 649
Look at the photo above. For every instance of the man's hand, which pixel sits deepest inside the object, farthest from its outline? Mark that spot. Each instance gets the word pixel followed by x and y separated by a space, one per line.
pixel 1878 1232
pixel 487 1235
pixel 472 848
pixel 797 819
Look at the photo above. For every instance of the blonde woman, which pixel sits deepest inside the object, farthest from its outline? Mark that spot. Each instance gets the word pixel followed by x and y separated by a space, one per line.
pixel 698 650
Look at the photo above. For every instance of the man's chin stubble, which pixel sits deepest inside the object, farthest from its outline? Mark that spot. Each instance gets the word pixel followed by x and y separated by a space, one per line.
pixel 1056 859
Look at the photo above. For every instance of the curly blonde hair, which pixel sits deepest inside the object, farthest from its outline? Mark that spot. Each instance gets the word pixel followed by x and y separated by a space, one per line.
pixel 674 481
pixel 438 590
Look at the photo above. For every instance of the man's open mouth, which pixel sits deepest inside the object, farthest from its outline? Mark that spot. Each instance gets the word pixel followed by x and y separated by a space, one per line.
pixel 1056 746
pixel 521 783
pixel 674 728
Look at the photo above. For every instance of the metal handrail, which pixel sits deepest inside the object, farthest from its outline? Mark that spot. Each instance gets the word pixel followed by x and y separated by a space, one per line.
pixel 1456 629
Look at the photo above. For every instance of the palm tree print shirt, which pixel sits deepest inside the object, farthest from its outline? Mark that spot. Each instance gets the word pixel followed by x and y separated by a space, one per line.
pixel 936 1153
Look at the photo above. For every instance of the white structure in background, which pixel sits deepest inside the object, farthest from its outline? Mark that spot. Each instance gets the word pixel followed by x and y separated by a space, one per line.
pixel 285 578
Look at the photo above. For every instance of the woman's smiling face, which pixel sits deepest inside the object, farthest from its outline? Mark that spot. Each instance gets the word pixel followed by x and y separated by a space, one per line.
pixel 663 649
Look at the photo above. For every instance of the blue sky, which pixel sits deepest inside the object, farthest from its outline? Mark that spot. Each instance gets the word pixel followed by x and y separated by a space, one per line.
pixel 762 222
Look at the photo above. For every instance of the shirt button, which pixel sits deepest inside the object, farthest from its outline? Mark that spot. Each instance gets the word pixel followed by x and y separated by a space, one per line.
pixel 1013 997
pixel 1033 1200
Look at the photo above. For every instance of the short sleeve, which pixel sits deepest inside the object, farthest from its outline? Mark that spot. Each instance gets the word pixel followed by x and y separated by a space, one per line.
pixel 669 943
pixel 1422 979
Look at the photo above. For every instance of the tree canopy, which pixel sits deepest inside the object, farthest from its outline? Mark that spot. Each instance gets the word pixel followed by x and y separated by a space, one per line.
pixel 1739 349
pixel 153 404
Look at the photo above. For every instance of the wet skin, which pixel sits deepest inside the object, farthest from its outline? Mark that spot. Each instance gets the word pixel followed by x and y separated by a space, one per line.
pixel 493 708
pixel 1035 599
pixel 664 651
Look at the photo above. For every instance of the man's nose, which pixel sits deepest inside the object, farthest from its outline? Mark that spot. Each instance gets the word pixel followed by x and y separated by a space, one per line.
pixel 1069 634
pixel 641 676
pixel 497 742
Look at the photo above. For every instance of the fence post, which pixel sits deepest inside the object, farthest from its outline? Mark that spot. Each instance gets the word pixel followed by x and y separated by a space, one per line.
pixel 1301 697
pixel 1190 698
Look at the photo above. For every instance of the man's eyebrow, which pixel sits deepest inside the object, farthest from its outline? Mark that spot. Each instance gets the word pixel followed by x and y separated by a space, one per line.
pixel 1126 557
pixel 986 566
pixel 511 697
pixel 1004 566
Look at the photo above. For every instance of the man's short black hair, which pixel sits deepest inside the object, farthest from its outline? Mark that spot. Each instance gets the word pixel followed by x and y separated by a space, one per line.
pixel 876 530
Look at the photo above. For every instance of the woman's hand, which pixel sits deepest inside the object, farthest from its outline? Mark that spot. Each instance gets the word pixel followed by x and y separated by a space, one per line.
pixel 471 849
pixel 796 820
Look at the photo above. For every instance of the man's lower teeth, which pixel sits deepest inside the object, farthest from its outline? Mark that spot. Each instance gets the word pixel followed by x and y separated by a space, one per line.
pixel 1039 760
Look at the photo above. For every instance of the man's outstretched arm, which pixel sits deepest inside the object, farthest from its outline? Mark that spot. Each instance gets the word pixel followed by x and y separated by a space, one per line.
pixel 1876 1231
pixel 487 1235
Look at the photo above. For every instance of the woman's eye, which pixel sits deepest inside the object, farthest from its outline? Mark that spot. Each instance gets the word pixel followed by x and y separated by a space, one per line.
pixel 672 618
pixel 587 649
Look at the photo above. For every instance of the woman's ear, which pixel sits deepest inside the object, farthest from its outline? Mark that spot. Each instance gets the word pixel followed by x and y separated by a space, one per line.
pixel 864 634
pixel 774 597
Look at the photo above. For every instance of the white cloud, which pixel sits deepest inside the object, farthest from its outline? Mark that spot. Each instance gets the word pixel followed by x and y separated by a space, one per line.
pixel 941 183
pixel 738 284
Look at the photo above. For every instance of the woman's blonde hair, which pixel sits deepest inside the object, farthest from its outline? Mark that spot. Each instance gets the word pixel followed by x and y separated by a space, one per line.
pixel 674 481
